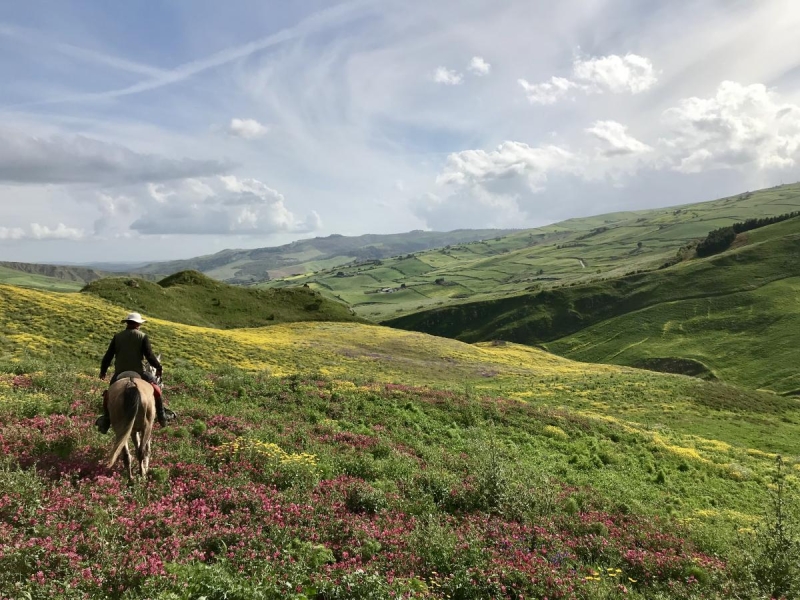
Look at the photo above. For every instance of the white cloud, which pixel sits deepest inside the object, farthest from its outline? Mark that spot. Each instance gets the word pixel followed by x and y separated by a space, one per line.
pixel 221 206
pixel 490 189
pixel 11 233
pixel 741 126
pixel 113 211
pixel 78 159
pixel 630 74
pixel 510 161
pixel 616 139
pixel 41 232
pixel 447 76
pixel 478 66
pixel 61 232
pixel 548 92
pixel 248 129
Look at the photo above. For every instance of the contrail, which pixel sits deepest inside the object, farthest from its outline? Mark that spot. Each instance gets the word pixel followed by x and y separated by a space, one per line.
pixel 336 16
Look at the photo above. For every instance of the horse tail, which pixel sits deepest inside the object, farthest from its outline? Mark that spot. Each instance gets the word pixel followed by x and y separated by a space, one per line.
pixel 131 401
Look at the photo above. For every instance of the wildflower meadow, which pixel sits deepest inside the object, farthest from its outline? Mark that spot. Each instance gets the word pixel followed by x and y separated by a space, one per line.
pixel 356 484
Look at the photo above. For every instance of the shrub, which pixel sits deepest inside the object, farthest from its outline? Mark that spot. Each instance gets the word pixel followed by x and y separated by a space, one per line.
pixel 363 498
pixel 772 557
pixel 198 428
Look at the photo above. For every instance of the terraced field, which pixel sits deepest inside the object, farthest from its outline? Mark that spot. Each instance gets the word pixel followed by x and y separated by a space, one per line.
pixel 574 252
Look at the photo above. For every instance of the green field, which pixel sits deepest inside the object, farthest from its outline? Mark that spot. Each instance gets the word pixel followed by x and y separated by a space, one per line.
pixel 733 316
pixel 246 267
pixel 42 282
pixel 573 252
pixel 310 460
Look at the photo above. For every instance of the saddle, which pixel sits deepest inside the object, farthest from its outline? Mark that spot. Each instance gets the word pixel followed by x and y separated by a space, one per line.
pixel 134 375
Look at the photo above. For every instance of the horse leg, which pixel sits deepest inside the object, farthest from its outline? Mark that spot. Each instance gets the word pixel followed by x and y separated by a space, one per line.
pixel 126 460
pixel 146 461
pixel 146 441
pixel 138 448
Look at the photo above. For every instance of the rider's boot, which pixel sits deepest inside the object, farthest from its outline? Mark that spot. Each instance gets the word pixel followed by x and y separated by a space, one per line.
pixel 161 416
pixel 103 423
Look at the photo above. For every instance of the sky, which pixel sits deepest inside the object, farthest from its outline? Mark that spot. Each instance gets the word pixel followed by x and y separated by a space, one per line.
pixel 143 131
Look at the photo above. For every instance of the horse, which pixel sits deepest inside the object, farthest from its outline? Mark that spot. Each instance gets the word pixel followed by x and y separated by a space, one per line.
pixel 132 408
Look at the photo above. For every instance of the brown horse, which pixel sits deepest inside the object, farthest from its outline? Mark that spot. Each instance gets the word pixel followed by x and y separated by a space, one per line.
pixel 132 408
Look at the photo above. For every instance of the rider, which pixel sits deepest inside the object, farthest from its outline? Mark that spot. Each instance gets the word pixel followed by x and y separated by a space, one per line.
pixel 130 347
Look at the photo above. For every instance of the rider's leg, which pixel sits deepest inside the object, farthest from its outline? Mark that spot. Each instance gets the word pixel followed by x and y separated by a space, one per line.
pixel 103 423
pixel 161 416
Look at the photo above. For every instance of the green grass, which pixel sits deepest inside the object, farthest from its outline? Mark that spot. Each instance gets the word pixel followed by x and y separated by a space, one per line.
pixel 577 251
pixel 427 435
pixel 735 315
pixel 193 298
pixel 41 282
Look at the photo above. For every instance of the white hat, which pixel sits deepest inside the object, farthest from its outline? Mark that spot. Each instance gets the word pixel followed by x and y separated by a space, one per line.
pixel 135 317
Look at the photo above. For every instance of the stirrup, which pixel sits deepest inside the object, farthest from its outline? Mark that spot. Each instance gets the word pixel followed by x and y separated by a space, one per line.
pixel 169 415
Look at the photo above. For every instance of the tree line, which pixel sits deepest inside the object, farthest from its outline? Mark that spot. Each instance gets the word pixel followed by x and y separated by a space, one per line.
pixel 721 239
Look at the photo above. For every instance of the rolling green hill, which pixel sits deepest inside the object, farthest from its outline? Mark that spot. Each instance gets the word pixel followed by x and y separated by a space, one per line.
pixel 346 460
pixel 192 298
pixel 577 251
pixel 305 256
pixel 33 280
pixel 734 315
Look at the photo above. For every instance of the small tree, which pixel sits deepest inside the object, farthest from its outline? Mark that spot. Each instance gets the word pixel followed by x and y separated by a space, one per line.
pixel 773 557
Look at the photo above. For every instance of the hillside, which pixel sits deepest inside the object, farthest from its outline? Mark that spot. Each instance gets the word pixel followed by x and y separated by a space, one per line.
pixel 60 278
pixel 732 316
pixel 304 256
pixel 192 298
pixel 337 453
pixel 32 280
pixel 577 251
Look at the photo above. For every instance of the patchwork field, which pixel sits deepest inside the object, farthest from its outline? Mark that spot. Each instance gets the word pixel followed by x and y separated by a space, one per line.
pixel 573 252
pixel 344 460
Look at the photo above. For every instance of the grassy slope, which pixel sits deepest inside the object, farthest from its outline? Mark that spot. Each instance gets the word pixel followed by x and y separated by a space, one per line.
pixel 42 282
pixel 660 444
pixel 71 276
pixel 191 297
pixel 576 251
pixel 377 353
pixel 744 326
pixel 303 256
pixel 735 313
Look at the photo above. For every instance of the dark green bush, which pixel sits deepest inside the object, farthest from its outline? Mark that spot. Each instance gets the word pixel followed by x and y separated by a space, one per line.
pixel 363 498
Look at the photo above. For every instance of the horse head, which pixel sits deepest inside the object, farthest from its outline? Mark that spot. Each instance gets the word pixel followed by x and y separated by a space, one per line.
pixel 148 368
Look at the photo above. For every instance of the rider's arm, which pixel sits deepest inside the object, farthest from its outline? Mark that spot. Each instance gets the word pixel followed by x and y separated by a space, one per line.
pixel 147 350
pixel 107 359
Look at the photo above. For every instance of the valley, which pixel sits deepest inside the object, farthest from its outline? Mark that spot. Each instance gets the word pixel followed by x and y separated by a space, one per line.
pixel 557 433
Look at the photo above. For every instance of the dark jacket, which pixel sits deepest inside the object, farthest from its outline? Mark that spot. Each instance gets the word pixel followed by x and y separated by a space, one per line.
pixel 130 347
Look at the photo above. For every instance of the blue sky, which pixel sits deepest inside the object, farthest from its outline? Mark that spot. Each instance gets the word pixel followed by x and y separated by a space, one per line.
pixel 157 130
